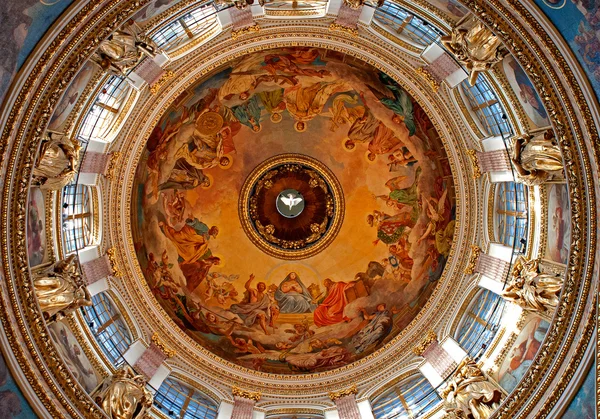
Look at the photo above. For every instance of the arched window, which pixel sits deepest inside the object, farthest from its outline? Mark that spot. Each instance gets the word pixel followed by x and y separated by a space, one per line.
pixel 189 26
pixel 480 323
pixel 77 217
pixel 109 328
pixel 411 398
pixel 511 213
pixel 178 400
pixel 98 123
pixel 405 24
pixel 484 104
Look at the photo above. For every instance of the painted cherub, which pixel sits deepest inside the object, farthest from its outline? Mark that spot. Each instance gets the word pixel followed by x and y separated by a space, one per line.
pixel 243 346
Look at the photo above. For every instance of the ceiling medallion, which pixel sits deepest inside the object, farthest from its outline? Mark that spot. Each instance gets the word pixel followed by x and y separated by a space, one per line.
pixel 291 206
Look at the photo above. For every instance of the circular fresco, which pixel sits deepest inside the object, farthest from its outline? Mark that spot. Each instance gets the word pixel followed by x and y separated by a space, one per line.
pixel 291 206
pixel 395 227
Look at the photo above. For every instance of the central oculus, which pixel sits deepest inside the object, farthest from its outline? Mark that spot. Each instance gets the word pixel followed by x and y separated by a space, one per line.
pixel 290 203
pixel 291 206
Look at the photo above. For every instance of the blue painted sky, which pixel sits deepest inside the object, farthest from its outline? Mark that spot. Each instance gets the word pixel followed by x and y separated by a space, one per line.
pixel 567 18
pixel 43 15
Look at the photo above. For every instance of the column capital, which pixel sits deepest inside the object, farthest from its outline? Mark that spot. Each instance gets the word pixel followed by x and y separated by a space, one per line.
pixel 429 338
pixel 474 163
pixel 169 353
pixel 111 253
pixel 334 395
pixel 112 163
pixel 475 252
pixel 246 394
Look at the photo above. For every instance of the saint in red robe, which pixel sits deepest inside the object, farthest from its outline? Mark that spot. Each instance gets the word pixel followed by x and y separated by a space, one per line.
pixel 331 310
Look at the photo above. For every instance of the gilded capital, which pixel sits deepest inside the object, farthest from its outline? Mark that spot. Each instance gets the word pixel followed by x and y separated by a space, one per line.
pixel 342 28
pixel 246 394
pixel 424 344
pixel 170 353
pixel 434 83
pixel 474 163
pixel 342 393
pixel 475 252
pixel 111 253
pixel 161 81
pixel 112 164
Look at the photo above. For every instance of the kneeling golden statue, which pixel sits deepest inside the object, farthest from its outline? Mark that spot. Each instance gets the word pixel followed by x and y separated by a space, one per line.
pixel 537 159
pixel 531 289
pixel 124 395
pixel 124 49
pixel 60 289
pixel 477 48
pixel 470 394
pixel 57 163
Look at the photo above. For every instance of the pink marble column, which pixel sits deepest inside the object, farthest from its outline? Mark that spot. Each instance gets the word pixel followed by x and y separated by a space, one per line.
pixel 95 162
pixel 243 405
pixel 492 267
pixel 148 363
pixel 438 70
pixel 493 161
pixel 100 163
pixel 348 17
pixel 241 18
pixel 149 71
pixel 242 408
pixel 96 269
pixel 440 359
pixel 347 407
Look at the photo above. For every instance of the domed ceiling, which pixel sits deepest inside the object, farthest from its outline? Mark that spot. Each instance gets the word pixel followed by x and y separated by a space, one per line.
pixel 257 283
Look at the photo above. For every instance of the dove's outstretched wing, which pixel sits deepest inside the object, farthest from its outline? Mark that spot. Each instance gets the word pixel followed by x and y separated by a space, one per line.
pixel 287 201
pixel 290 201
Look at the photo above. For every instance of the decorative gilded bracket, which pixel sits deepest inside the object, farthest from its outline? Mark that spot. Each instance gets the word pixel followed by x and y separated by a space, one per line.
pixel 420 349
pixel 475 163
pixel 341 28
pixel 170 353
pixel 112 164
pixel 434 83
pixel 161 81
pixel 111 253
pixel 236 33
pixel 343 393
pixel 245 394
pixel 475 252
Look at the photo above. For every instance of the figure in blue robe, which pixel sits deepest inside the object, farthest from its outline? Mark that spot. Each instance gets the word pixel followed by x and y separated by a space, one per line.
pixel 400 103
pixel 293 296
pixel 248 113
pixel 379 326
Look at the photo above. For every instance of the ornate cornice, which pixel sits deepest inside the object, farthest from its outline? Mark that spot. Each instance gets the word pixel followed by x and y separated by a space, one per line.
pixel 334 395
pixel 236 33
